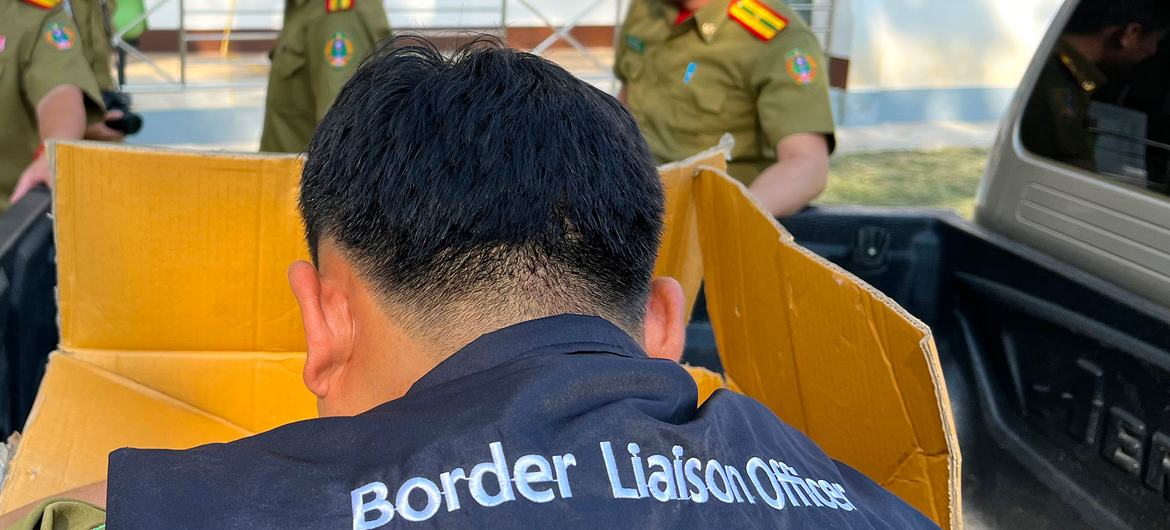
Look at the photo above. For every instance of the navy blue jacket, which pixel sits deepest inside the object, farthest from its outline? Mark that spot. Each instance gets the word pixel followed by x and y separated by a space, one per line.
pixel 558 422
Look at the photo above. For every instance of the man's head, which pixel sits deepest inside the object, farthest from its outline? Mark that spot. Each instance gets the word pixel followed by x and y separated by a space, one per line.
pixel 444 198
pixel 1126 32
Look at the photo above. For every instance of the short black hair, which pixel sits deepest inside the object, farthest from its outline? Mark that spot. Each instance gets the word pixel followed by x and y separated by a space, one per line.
pixel 1092 16
pixel 489 176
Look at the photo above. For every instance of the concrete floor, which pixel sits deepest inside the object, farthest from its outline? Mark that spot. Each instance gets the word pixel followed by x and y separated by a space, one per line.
pixel 222 105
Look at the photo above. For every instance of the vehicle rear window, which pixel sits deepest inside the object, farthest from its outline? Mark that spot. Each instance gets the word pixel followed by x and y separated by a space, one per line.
pixel 1102 103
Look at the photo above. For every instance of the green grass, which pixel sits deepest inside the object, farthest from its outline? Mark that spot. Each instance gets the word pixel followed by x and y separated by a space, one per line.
pixel 944 178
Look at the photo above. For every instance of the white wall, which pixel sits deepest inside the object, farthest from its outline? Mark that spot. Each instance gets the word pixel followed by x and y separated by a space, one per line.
pixel 900 44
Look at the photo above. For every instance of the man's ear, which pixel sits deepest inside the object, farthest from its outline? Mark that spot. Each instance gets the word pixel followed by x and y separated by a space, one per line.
pixel 665 322
pixel 326 335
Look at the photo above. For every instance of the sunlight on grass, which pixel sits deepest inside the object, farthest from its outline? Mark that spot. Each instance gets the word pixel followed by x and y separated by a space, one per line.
pixel 944 178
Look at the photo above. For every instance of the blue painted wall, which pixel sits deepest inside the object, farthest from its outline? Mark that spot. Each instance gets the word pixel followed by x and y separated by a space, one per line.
pixel 861 108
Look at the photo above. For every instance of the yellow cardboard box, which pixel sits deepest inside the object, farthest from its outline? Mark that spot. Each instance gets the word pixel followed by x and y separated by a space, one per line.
pixel 178 328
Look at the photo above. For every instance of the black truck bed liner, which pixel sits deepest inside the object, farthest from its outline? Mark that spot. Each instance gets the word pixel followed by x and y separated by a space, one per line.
pixel 1060 382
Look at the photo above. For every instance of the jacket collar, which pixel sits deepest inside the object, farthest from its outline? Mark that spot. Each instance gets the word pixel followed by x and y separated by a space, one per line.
pixel 709 20
pixel 1086 74
pixel 706 21
pixel 563 334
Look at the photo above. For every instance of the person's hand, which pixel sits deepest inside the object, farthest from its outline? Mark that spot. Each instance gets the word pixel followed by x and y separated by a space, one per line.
pixel 36 173
pixel 102 132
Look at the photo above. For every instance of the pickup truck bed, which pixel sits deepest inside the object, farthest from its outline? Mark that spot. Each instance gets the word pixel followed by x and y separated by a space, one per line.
pixel 1060 382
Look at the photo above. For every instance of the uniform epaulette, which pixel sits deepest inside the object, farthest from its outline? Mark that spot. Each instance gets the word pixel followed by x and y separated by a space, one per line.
pixel 1071 66
pixel 43 4
pixel 757 18
pixel 334 6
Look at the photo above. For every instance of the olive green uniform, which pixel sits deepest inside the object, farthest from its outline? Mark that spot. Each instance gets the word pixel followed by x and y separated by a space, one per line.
pixel 41 49
pixel 62 514
pixel 687 84
pixel 1056 119
pixel 97 42
pixel 316 54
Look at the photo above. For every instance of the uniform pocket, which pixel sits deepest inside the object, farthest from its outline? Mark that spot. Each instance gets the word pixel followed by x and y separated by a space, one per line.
pixel 286 62
pixel 289 93
pixel 705 103
pixel 711 100
pixel 631 66
pixel 702 88
pixel 713 107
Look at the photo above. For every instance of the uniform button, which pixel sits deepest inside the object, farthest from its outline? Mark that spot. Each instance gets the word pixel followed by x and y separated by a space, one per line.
pixel 1089 86
pixel 708 28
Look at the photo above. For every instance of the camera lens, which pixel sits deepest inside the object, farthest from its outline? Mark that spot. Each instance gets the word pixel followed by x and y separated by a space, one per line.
pixel 129 123
pixel 132 123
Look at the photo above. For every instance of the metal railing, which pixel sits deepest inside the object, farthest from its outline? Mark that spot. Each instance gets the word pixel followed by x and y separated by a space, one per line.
pixel 175 79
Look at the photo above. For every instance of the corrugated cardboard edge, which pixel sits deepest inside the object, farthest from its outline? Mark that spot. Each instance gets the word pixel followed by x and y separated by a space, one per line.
pixel 51 152
pixel 726 144
pixel 52 144
pixel 680 235
pixel 138 387
pixel 927 346
pixel 18 457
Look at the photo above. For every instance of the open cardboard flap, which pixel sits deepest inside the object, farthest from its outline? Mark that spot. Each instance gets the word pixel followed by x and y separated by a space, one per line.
pixel 680 257
pixel 826 352
pixel 177 324
pixel 178 328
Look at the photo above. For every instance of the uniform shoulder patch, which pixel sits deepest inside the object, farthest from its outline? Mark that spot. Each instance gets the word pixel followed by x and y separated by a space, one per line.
pixel 60 36
pixel 42 4
pixel 801 67
pixel 338 50
pixel 757 18
pixel 334 6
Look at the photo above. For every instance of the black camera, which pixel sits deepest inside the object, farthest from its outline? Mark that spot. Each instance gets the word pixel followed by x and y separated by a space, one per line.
pixel 130 122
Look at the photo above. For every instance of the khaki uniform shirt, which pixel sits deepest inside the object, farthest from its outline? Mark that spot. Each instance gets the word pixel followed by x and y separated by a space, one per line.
pixel 96 40
pixel 687 84
pixel 63 514
pixel 1056 119
pixel 316 54
pixel 40 49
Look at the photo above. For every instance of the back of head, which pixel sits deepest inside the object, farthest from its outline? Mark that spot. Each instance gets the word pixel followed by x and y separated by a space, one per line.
pixel 489 186
pixel 1093 16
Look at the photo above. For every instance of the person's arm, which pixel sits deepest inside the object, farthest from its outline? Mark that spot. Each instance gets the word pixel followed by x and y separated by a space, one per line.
pixel 60 116
pixel 94 494
pixel 798 176
pixel 792 83
pixel 59 79
pixel 101 132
